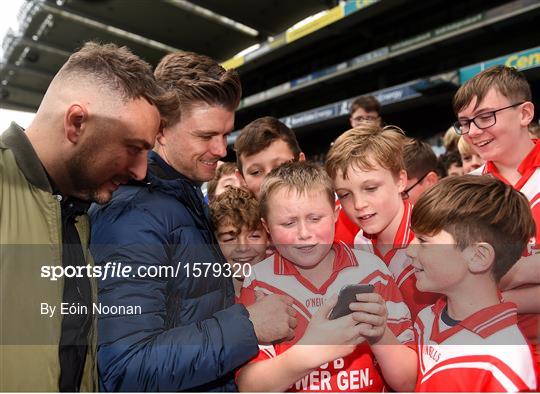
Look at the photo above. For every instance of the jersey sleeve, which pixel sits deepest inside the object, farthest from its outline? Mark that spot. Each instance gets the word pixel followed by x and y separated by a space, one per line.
pixel 399 316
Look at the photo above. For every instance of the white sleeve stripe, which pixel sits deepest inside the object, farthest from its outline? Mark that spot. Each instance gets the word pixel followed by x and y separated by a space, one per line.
pixel 299 310
pixel 397 321
pixel 504 380
pixel 406 336
pixel 269 350
pixel 397 310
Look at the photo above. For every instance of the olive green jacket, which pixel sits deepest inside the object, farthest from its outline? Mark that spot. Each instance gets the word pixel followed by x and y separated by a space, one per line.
pixel 31 237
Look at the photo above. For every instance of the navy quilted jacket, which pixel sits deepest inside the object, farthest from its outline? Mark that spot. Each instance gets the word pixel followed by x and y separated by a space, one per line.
pixel 190 335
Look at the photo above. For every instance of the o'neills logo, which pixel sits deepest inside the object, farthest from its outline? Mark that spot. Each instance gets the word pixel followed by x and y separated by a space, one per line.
pixel 315 302
pixel 432 353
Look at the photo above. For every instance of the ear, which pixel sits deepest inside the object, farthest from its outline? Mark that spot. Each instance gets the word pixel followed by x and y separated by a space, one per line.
pixel 337 209
pixel 301 157
pixel 431 178
pixel 160 137
pixel 527 113
pixel 402 180
pixel 74 121
pixel 240 178
pixel 480 257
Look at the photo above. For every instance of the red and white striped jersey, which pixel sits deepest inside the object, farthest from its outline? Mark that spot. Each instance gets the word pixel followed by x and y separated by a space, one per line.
pixel 486 352
pixel 529 185
pixel 399 263
pixel 358 371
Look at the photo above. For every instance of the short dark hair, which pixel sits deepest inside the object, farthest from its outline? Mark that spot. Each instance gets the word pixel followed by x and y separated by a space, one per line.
pixel 118 69
pixel 367 103
pixel 198 78
pixel 446 160
pixel 259 134
pixel 419 158
pixel 477 209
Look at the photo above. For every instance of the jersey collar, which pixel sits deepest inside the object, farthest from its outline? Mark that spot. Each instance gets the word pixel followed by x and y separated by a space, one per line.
pixel 483 323
pixel 526 168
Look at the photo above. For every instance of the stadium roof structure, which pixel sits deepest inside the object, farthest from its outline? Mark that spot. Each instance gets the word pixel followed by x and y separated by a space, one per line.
pixel 50 30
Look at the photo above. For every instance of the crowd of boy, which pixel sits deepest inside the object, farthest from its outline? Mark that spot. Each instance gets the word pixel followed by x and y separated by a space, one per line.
pixel 452 262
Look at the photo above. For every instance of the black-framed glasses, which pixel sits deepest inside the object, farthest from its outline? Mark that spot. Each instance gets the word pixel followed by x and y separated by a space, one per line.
pixel 368 118
pixel 405 193
pixel 482 121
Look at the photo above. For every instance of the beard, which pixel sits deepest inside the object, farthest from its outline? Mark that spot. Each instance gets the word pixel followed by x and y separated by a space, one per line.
pixel 81 172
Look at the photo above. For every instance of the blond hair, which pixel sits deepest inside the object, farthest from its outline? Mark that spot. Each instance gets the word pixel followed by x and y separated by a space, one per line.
pixel 301 177
pixel 464 148
pixel 365 147
pixel 450 139
pixel 477 209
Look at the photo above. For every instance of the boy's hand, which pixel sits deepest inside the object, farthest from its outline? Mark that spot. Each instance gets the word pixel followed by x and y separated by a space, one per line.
pixel 327 340
pixel 371 314
pixel 273 318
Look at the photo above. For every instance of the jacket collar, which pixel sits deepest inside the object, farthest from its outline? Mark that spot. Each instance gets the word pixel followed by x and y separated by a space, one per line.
pixel 16 140
pixel 165 178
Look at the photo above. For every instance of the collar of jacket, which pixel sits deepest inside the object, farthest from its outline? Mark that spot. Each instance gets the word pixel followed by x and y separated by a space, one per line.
pixel 161 176
pixel 15 139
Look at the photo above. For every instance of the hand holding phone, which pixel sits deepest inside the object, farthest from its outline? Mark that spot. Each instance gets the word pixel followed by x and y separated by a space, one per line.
pixel 347 295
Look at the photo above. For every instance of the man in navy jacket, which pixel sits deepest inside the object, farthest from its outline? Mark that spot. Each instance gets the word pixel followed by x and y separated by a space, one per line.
pixel 170 322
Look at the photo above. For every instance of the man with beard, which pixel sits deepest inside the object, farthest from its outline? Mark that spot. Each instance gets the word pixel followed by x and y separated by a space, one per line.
pixel 93 129
pixel 189 335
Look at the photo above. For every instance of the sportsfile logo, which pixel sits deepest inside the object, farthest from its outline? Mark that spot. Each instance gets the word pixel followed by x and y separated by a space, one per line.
pixel 110 269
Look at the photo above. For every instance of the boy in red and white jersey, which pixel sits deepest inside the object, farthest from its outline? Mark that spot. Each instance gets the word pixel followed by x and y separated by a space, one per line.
pixel 298 210
pixel 368 171
pixel 469 231
pixel 494 110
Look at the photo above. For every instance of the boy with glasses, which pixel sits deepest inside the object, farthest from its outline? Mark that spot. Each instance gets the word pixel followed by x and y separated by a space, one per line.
pixel 494 110
pixel 421 167
pixel 365 109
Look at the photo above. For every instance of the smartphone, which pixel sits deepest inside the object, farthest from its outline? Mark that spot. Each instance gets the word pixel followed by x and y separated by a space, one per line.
pixel 347 295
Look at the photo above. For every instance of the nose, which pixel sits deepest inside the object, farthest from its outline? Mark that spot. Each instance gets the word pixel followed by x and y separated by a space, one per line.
pixel 474 130
pixel 359 203
pixel 411 249
pixel 242 245
pixel 219 146
pixel 303 230
pixel 138 167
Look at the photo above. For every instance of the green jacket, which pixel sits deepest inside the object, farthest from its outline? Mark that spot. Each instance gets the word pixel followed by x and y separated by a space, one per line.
pixel 30 237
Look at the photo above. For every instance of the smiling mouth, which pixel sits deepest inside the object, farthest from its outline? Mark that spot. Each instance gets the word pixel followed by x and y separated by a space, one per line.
pixel 209 163
pixel 366 217
pixel 483 143
pixel 244 260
